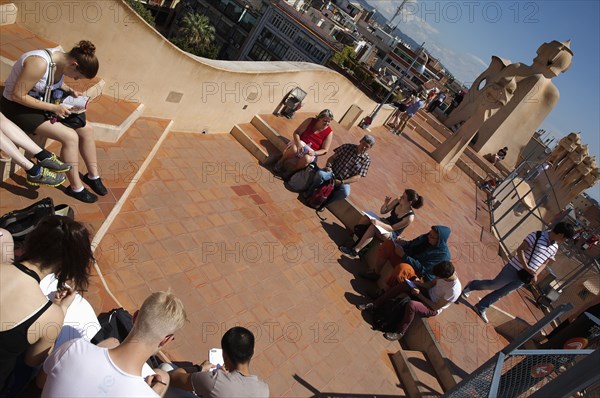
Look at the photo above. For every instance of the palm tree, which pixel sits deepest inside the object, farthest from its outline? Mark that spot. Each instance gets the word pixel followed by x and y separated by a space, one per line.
pixel 197 31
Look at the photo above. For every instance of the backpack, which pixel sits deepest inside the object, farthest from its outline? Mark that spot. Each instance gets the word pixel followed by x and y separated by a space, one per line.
pixel 388 316
pixel 301 179
pixel 317 198
pixel 21 222
pixel 116 323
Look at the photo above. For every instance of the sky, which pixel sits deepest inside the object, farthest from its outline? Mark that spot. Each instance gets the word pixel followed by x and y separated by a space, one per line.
pixel 464 35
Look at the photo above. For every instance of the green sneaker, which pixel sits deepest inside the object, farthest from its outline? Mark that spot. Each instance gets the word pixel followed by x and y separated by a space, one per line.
pixel 46 177
pixel 55 164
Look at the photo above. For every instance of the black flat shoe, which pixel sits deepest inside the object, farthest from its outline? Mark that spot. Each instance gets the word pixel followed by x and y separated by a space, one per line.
pixel 96 185
pixel 84 196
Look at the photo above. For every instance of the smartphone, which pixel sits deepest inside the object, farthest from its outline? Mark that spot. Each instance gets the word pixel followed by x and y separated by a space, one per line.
pixel 410 283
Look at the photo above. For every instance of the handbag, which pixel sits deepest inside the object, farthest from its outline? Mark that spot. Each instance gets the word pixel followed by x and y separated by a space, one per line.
pixel 525 276
pixel 74 120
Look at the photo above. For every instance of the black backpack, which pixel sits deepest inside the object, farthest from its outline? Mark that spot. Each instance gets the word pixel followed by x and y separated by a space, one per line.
pixel 116 323
pixel 21 222
pixel 388 315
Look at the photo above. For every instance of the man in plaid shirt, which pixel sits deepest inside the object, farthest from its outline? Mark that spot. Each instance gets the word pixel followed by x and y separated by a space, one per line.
pixel 348 164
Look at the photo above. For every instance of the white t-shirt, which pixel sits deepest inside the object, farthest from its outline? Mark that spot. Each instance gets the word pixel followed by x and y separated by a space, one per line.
pixel 447 290
pixel 80 369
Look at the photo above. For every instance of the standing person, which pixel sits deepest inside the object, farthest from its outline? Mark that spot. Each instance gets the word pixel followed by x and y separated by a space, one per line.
pixel 22 102
pixel 348 164
pixel 456 100
pixel 401 108
pixel 47 171
pixel 59 246
pixel 437 101
pixel 81 369
pixel 410 112
pixel 401 216
pixel 428 298
pixel 235 380
pixel 531 257
pixel 311 139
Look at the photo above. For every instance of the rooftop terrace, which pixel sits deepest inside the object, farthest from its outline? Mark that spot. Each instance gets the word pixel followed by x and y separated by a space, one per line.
pixel 196 214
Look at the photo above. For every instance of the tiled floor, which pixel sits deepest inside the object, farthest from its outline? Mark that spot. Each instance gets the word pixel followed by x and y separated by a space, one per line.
pixel 218 230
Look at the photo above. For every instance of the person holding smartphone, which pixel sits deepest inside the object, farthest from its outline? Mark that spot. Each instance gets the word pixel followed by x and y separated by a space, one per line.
pixel 427 298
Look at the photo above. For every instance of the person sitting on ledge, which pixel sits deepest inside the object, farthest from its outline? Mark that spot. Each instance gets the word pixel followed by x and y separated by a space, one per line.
pixel 311 139
pixel 23 103
pixel 401 216
pixel 348 164
pixel 234 380
pixel 48 170
pixel 429 298
pixel 415 258
pixel 500 155
pixel 81 369
pixel 29 322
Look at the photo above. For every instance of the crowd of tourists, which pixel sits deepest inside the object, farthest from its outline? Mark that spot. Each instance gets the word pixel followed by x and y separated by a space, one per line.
pixel 59 250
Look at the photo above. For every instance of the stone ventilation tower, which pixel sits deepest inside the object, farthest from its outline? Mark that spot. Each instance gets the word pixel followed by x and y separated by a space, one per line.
pixel 573 170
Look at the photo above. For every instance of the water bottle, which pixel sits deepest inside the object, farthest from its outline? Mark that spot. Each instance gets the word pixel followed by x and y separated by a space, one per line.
pixel 57 96
pixel 305 150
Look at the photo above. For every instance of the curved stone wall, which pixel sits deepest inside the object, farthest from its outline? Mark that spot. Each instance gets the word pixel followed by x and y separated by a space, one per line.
pixel 138 64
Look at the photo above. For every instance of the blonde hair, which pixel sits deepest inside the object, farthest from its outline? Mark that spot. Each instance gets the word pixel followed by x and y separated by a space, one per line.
pixel 161 314
pixel 325 113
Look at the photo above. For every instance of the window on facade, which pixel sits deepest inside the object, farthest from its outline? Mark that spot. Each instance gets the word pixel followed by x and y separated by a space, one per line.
pixel 257 53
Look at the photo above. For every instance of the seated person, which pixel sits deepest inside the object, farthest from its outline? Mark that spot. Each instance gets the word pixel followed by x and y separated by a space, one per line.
pixel 500 155
pixel 401 216
pixel 415 258
pixel 348 164
pixel 427 298
pixel 28 320
pixel 234 380
pixel 23 103
pixel 48 169
pixel 81 369
pixel 311 139
pixel 7 247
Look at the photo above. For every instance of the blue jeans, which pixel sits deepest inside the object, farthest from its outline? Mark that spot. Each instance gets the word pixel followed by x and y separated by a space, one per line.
pixel 504 283
pixel 339 192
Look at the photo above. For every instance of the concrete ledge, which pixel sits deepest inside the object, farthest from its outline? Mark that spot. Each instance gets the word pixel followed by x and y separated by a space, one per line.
pixel 247 142
pixel 405 373
pixel 113 133
pixel 273 136
pixel 420 337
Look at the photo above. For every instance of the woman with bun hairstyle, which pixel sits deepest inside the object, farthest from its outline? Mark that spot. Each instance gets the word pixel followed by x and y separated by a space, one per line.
pixel 401 216
pixel 22 103
pixel 29 322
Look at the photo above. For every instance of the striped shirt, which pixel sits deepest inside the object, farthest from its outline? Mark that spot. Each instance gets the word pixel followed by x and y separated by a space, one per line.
pixel 544 249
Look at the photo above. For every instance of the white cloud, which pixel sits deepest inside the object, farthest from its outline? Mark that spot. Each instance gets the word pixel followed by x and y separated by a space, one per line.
pixel 465 67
